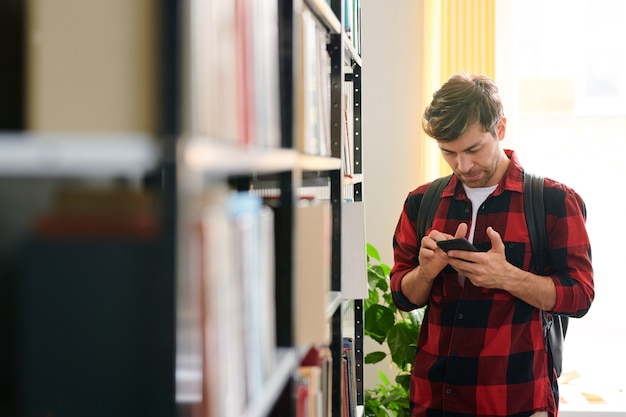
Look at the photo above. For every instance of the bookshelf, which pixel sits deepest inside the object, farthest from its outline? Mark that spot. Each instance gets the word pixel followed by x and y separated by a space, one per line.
pixel 175 222
pixel 308 177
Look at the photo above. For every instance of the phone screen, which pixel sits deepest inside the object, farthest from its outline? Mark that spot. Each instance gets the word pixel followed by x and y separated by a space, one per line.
pixel 456 244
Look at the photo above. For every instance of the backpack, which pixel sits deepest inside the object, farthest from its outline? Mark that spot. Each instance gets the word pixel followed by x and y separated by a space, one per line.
pixel 554 326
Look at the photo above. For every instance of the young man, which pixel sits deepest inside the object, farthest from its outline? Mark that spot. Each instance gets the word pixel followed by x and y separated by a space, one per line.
pixel 481 348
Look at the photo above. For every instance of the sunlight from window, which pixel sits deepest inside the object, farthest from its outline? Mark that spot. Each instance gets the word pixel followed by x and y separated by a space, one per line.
pixel 570 124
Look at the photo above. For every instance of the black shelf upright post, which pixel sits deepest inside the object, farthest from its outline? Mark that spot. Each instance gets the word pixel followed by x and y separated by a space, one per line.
pixel 284 219
pixel 168 131
pixel 358 196
pixel 336 51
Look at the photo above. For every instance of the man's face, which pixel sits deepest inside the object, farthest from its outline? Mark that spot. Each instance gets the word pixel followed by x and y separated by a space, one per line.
pixel 476 156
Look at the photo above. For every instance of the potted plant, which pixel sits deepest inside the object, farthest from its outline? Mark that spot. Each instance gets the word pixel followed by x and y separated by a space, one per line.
pixel 398 330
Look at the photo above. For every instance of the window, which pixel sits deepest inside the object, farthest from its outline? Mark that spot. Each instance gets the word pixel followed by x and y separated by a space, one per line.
pixel 568 67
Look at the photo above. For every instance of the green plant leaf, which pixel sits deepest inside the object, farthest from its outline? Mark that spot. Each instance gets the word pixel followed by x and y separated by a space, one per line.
pixel 378 320
pixel 401 339
pixel 372 252
pixel 376 273
pixel 393 396
pixel 404 380
pixel 386 269
pixel 371 301
pixel 383 378
pixel 375 357
pixel 384 323
pixel 388 299
pixel 417 317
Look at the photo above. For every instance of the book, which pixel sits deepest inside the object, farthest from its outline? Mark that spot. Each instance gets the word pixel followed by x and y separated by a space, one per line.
pixel 311 377
pixel 312 271
pixel 354 283
pixel 264 48
pixel 348 130
pixel 223 333
pixel 252 225
pixel 226 307
pixel 87 213
pixel 212 80
pixel 320 357
pixel 349 372
pixel 302 397
pixel 83 75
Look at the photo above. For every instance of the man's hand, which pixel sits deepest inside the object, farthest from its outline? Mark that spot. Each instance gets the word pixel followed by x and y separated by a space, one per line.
pixel 483 269
pixel 492 270
pixel 431 257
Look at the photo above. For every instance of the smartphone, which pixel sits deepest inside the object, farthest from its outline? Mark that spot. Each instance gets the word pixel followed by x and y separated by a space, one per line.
pixel 456 244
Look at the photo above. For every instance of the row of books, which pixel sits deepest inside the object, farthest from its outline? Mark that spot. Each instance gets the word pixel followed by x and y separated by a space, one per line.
pixel 312 90
pixel 348 131
pixel 226 295
pixel 233 86
pixel 313 87
pixel 100 213
pixel 352 22
pixel 226 302
pixel 314 382
pixel 348 378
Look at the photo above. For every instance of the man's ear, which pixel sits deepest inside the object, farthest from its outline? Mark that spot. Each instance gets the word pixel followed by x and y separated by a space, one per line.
pixel 501 128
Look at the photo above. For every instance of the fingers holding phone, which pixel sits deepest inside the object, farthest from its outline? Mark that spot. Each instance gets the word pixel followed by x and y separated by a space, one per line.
pixel 456 244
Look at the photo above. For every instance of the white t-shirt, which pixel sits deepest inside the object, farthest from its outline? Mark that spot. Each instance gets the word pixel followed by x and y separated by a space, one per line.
pixel 478 197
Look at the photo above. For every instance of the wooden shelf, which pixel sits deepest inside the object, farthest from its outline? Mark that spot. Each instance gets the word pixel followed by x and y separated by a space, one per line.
pixel 352 54
pixel 220 159
pixel 354 179
pixel 325 14
pixel 91 155
pixel 287 361
pixel 333 304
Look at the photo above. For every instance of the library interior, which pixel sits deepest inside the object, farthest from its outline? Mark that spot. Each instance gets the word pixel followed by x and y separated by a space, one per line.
pixel 194 192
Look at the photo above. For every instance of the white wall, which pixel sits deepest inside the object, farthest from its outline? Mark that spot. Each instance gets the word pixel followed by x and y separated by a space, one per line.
pixel 391 122
pixel 391 113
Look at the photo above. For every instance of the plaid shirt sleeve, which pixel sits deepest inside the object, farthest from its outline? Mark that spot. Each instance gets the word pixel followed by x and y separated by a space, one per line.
pixel 406 247
pixel 569 250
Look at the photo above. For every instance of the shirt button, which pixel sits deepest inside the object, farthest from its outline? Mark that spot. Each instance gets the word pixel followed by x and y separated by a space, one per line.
pixel 461 316
pixel 448 391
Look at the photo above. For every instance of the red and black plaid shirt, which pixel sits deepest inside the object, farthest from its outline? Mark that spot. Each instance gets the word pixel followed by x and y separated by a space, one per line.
pixel 481 352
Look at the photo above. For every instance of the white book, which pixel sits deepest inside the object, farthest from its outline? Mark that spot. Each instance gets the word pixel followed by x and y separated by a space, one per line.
pixel 267 297
pixel 265 69
pixel 354 285
pixel 212 77
pixel 312 272
pixel 243 210
pixel 224 358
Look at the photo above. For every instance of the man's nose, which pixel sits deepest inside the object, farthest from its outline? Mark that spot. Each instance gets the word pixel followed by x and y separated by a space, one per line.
pixel 464 162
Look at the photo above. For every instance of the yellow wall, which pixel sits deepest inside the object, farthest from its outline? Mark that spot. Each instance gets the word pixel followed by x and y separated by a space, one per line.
pixel 458 35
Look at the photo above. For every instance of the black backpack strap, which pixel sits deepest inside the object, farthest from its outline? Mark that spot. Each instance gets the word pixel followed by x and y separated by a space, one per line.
pixel 554 326
pixel 429 204
pixel 535 219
